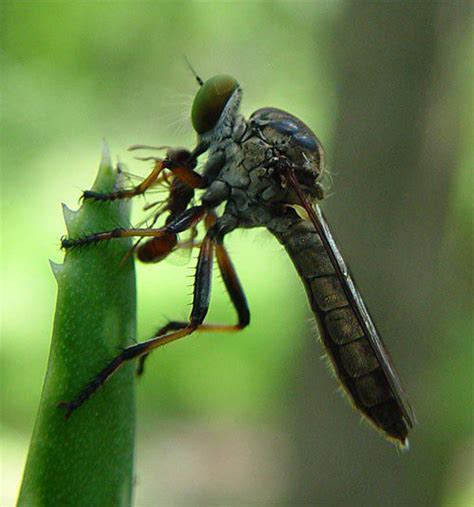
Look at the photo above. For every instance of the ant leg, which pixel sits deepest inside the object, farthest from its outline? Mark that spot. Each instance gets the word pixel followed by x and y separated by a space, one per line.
pixel 179 161
pixel 202 288
pixel 156 249
pixel 237 296
pixel 126 194
pixel 179 224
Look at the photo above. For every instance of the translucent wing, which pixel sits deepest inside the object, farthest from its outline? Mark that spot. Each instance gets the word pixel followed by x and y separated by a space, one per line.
pixel 355 300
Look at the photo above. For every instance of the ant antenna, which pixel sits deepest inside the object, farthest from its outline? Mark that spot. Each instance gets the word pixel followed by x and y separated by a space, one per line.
pixel 198 79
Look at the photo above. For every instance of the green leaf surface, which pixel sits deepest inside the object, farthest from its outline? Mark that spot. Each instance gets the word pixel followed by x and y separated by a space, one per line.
pixel 88 459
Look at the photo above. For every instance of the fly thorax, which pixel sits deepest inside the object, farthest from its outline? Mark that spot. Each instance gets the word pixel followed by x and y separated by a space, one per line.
pixel 249 177
pixel 247 154
pixel 294 141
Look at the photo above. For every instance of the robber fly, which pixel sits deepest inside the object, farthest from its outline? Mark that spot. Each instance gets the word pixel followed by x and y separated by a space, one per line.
pixel 266 171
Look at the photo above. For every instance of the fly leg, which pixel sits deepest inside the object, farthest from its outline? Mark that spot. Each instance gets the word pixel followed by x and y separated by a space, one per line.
pixel 180 223
pixel 170 326
pixel 202 288
pixel 235 291
pixel 179 161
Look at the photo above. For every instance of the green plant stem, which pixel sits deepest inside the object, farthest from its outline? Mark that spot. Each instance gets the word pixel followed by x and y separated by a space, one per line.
pixel 88 460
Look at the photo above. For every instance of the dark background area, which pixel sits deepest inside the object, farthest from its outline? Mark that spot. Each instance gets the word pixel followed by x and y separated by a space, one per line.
pixel 255 417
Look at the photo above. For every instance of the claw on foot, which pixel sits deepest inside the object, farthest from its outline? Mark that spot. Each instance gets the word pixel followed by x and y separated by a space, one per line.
pixel 90 194
pixel 66 243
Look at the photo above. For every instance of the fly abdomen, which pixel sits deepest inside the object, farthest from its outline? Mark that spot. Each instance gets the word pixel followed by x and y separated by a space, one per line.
pixel 345 335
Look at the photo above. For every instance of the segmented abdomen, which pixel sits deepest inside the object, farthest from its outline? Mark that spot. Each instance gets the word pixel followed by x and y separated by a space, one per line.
pixel 353 354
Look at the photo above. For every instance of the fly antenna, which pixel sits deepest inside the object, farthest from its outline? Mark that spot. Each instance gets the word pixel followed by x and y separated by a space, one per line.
pixel 195 74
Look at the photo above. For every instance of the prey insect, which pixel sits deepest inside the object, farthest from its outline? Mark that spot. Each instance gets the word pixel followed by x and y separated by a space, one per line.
pixel 264 171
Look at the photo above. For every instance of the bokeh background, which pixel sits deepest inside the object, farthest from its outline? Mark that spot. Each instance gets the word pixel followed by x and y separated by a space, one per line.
pixel 255 418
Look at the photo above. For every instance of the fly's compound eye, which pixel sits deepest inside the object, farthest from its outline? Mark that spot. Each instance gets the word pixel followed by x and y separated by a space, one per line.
pixel 211 100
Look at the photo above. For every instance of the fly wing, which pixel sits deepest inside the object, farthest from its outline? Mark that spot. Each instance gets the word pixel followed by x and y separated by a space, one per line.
pixel 365 320
pixel 353 296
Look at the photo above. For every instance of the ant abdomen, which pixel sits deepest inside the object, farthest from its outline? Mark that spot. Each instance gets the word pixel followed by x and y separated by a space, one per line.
pixel 156 249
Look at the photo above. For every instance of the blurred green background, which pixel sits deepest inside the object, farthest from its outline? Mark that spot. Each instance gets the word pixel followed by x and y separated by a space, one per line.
pixel 255 418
